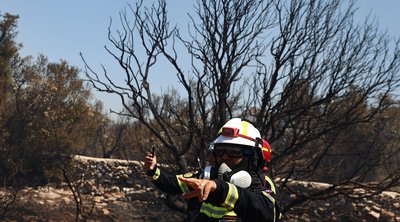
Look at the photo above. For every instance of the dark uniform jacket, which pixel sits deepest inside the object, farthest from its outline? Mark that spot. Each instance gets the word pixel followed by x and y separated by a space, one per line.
pixel 228 202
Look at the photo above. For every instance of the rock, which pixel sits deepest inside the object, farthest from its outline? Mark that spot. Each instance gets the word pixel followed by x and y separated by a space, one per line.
pixel 86 188
pixel 388 214
pixel 376 208
pixel 114 189
pixel 341 202
pixel 105 211
pixel 98 199
pixel 375 214
pixel 390 194
pixel 48 196
pixel 66 201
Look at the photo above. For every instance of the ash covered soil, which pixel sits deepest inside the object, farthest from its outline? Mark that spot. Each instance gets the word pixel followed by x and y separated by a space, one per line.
pixel 58 204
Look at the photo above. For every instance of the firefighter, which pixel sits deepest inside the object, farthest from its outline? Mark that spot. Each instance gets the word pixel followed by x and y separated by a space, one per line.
pixel 236 187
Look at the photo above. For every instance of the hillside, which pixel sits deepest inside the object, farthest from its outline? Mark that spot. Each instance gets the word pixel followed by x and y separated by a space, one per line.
pixel 118 190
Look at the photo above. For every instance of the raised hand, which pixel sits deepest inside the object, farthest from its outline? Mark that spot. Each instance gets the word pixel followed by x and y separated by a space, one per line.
pixel 150 161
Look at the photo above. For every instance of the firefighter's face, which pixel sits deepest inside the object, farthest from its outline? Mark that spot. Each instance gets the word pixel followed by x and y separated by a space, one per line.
pixel 231 155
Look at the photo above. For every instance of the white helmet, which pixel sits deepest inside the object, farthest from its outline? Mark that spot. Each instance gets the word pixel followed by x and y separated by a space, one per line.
pixel 238 131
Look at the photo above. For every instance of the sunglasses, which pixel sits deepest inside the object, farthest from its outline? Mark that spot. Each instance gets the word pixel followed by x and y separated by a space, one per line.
pixel 231 151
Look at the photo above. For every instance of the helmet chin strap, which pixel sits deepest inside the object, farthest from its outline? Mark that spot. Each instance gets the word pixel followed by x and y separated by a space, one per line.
pixel 259 162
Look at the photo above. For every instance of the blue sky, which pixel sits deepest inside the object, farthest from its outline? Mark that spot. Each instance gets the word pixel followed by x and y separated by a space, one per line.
pixel 62 29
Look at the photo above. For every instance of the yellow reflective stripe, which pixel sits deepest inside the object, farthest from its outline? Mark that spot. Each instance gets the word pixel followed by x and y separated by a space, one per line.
pixel 266 149
pixel 220 130
pixel 231 197
pixel 156 175
pixel 272 200
pixel 271 184
pixel 215 211
pixel 244 127
pixel 182 185
pixel 269 197
pixel 231 213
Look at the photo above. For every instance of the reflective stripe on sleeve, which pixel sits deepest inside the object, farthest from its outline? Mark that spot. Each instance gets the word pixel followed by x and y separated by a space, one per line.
pixel 156 175
pixel 214 211
pixel 231 197
pixel 182 185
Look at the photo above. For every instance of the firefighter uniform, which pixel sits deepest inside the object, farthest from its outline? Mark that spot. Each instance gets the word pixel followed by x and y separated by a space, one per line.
pixel 238 146
pixel 228 202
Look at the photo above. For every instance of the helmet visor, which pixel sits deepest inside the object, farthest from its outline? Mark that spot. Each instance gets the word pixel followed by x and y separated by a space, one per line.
pixel 232 151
